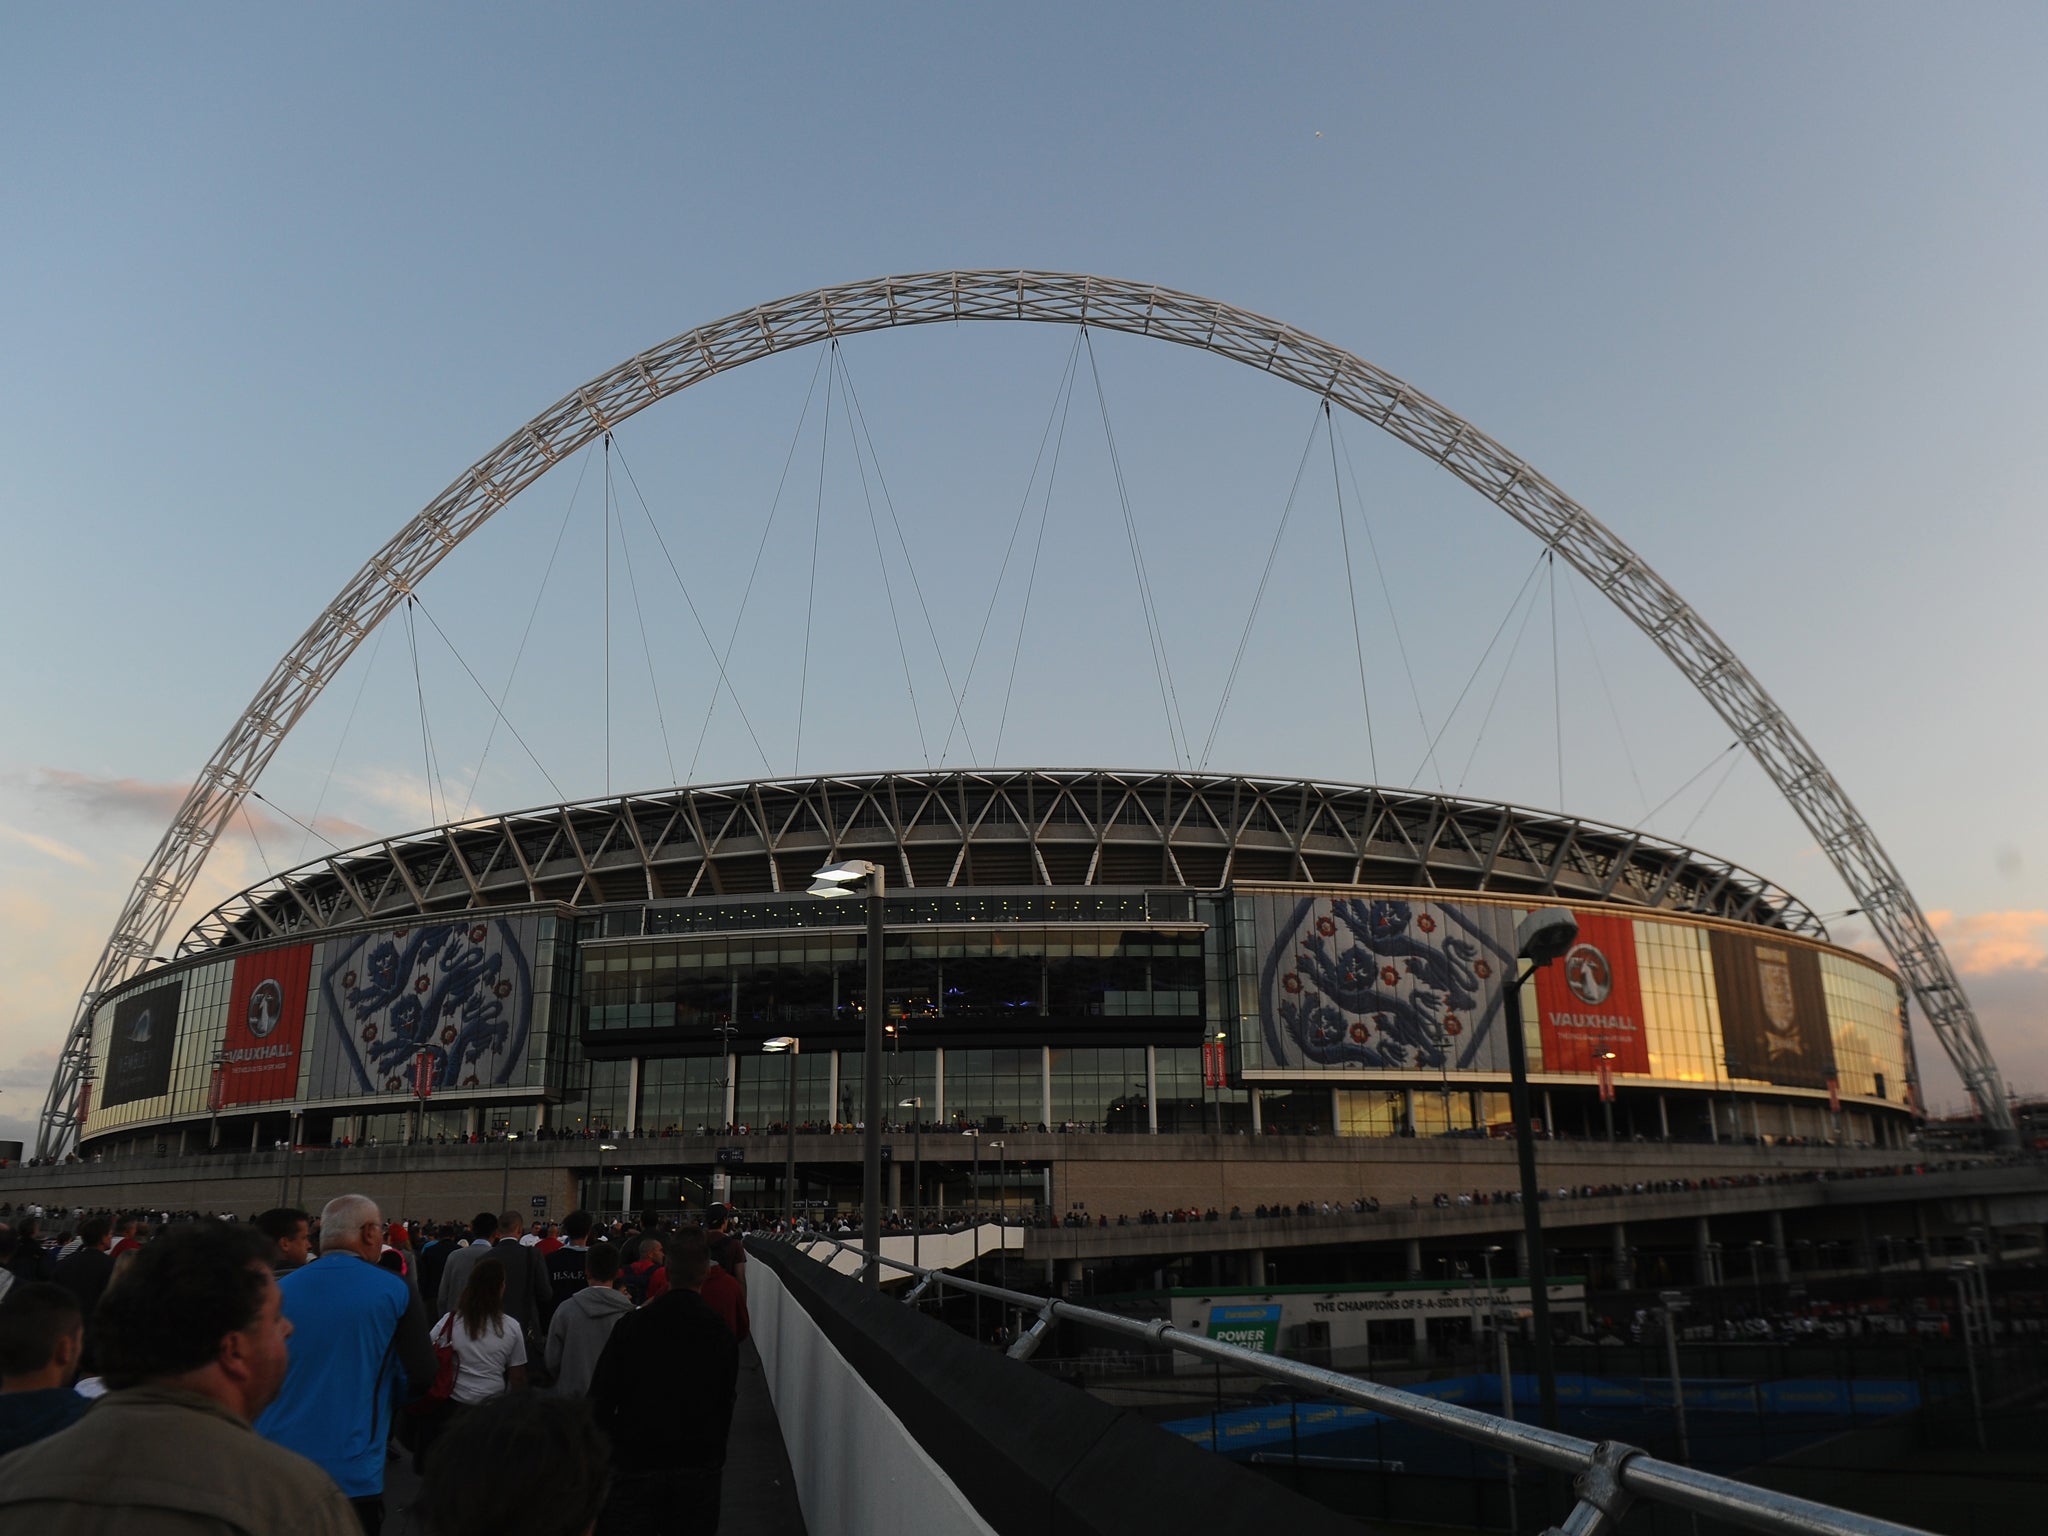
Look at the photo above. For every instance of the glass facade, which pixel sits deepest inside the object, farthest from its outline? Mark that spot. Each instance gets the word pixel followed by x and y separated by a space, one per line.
pixel 1085 1011
pixel 1100 1088
pixel 967 980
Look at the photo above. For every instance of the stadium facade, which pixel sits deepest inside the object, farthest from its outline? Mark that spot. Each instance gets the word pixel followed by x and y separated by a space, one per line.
pixel 1130 953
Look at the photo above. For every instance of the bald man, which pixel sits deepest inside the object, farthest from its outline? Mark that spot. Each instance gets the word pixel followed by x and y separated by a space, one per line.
pixel 354 1324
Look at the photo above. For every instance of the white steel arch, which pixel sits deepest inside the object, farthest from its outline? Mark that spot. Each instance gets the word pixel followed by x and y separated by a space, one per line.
pixel 1139 309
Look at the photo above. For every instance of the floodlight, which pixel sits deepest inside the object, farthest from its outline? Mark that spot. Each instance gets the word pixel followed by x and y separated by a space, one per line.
pixel 839 880
pixel 1543 936
pixel 781 1043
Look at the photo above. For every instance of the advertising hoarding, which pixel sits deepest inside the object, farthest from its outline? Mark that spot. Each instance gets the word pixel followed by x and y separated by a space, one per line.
pixel 1774 1011
pixel 1248 1327
pixel 1590 1003
pixel 458 993
pixel 266 1018
pixel 1380 983
pixel 140 1043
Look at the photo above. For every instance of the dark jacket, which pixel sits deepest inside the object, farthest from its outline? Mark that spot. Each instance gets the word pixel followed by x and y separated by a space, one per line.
pixel 566 1267
pixel 158 1459
pixel 85 1276
pixel 664 1386
pixel 529 1298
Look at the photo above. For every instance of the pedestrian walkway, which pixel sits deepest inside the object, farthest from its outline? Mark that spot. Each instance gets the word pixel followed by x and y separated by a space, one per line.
pixel 759 1495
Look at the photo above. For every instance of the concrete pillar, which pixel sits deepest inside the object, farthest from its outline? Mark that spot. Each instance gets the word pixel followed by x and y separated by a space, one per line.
pixel 1663 1117
pixel 1781 1256
pixel 633 1069
pixel 1702 1251
pixel 1624 1272
pixel 1252 1264
pixel 1407 1111
pixel 1926 1237
pixel 1412 1251
pixel 1866 1243
pixel 1152 1089
pixel 1522 1254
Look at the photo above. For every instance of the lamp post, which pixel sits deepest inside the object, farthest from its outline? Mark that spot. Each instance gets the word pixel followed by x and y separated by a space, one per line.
pixel 505 1186
pixel 1959 1275
pixel 916 1176
pixel 603 1147
pixel 1486 1265
pixel 1540 938
pixel 1607 1060
pixel 794 1047
pixel 833 882
pixel 216 1090
pixel 1002 1193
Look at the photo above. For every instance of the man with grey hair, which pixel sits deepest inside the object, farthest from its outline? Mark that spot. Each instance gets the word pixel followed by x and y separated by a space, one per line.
pixel 355 1327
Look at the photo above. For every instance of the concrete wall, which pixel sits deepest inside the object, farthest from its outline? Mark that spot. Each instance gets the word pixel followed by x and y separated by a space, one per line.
pixel 858 1471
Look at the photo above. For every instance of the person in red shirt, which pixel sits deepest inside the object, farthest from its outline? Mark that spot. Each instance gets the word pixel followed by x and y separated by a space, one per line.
pixel 723 1295
pixel 647 1276
pixel 125 1236
pixel 550 1239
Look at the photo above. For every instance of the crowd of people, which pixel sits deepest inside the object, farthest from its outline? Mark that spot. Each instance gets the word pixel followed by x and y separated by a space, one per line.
pixel 260 1376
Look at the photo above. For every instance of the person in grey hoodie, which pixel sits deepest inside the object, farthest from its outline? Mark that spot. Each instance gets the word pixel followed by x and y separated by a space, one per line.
pixel 581 1325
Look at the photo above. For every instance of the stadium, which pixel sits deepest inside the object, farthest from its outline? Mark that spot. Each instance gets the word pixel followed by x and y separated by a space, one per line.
pixel 1110 952
pixel 1137 991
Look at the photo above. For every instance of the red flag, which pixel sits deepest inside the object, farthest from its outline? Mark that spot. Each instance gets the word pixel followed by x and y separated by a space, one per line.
pixel 1834 1094
pixel 1605 1072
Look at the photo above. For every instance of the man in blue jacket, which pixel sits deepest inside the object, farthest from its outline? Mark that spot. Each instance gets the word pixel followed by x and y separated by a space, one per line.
pixel 359 1344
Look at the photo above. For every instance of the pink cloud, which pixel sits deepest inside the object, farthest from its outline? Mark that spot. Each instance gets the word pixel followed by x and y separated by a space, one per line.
pixel 158 803
pixel 1985 943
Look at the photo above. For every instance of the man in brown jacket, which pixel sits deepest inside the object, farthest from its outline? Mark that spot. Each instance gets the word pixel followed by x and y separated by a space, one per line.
pixel 192 1344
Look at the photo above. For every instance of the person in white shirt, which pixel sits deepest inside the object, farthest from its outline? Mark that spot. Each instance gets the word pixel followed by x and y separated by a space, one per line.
pixel 490 1350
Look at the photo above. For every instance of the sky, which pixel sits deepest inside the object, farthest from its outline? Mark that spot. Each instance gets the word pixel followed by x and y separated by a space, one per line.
pixel 1758 286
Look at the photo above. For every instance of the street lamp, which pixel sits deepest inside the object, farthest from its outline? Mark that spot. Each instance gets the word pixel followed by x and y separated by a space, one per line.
pixel 836 882
pixel 216 1090
pixel 1959 1274
pixel 916 1175
pixel 1220 1037
pixel 505 1187
pixel 794 1047
pixel 1541 937
pixel 1607 1060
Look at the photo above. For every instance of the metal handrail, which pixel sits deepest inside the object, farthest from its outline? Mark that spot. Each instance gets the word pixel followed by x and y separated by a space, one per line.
pixel 1607 1475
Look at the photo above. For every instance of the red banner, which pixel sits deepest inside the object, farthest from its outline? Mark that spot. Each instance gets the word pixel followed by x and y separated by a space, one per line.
pixel 266 1017
pixel 1214 1067
pixel 1590 1003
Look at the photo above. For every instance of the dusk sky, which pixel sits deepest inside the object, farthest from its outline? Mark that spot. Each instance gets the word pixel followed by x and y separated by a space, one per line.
pixel 1759 286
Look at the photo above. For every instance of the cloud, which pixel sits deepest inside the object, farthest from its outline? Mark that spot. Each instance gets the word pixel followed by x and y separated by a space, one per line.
pixel 137 799
pixel 49 847
pixel 1987 943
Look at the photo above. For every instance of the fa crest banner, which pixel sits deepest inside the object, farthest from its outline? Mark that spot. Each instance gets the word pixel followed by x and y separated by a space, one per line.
pixel 459 994
pixel 1380 983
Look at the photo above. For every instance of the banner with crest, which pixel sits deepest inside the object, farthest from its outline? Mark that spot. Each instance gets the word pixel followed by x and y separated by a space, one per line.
pixel 1382 983
pixel 1774 1011
pixel 458 993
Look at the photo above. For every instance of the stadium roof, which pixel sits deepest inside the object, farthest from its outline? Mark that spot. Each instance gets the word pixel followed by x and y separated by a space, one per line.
pixel 1000 829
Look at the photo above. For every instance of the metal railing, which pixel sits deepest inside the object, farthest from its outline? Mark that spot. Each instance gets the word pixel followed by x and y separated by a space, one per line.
pixel 1607 1476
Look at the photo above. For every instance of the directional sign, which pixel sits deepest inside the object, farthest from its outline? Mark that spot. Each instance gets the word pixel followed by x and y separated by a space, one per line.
pixel 731 1157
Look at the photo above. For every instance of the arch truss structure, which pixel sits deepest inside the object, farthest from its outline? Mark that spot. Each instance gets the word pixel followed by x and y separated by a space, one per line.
pixel 1139 309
